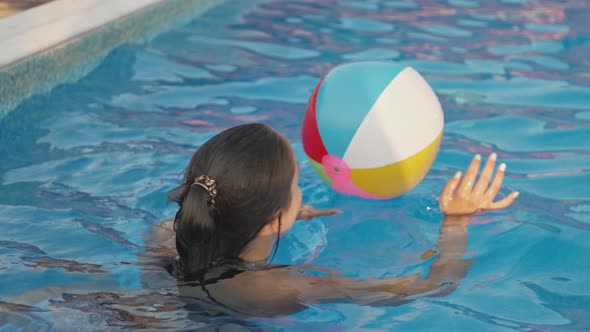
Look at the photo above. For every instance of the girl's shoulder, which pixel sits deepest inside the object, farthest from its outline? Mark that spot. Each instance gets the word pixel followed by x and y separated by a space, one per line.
pixel 245 288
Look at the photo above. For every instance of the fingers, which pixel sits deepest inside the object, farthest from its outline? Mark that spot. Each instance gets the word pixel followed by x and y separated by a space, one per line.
pixel 327 212
pixel 485 176
pixel 496 184
pixel 449 189
pixel 467 183
pixel 308 212
pixel 504 202
pixel 461 196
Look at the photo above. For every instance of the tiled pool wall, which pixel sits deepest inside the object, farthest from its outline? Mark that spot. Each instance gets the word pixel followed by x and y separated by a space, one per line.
pixel 75 58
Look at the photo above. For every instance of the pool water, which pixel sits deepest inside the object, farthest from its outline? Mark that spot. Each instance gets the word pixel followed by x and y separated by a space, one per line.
pixel 85 169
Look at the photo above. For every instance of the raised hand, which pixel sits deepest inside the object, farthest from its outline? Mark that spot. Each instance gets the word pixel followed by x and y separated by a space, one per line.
pixel 463 195
pixel 307 212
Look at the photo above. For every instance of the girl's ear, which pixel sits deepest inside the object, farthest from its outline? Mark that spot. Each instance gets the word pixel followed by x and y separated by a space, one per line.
pixel 271 227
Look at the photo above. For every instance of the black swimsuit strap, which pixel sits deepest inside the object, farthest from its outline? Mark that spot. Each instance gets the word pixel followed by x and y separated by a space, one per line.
pixel 229 269
pixel 215 300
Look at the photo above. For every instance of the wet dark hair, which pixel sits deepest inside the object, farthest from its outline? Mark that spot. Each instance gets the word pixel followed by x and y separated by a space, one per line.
pixel 253 167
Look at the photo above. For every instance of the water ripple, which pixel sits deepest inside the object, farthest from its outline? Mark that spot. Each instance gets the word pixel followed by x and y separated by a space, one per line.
pixel 86 168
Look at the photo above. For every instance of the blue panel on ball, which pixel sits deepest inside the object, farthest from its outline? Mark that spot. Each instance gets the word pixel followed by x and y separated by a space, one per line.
pixel 345 97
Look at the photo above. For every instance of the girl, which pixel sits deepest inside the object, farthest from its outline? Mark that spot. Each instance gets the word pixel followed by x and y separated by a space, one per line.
pixel 240 194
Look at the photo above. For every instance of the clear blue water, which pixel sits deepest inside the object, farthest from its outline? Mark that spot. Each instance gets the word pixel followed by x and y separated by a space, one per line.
pixel 85 169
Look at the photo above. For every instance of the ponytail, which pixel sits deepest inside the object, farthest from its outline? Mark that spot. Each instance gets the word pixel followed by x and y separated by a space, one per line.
pixel 194 224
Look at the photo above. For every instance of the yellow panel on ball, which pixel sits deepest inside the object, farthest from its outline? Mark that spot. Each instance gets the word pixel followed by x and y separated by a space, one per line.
pixel 395 179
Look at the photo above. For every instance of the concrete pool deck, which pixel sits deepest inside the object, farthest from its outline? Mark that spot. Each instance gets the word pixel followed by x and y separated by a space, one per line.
pixel 63 40
pixel 11 7
pixel 43 27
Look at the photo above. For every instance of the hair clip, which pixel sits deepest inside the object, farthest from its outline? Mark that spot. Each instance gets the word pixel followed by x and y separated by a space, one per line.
pixel 208 184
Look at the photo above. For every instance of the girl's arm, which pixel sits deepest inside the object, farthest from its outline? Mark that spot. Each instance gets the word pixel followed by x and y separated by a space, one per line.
pixel 461 198
pixel 445 271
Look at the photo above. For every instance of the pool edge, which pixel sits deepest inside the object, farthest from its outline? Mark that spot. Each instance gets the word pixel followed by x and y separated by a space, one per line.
pixel 74 58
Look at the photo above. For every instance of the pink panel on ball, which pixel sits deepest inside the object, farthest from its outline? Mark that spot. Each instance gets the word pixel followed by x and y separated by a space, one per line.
pixel 340 174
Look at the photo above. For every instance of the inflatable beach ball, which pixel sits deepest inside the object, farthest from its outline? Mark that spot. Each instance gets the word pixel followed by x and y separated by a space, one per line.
pixel 372 129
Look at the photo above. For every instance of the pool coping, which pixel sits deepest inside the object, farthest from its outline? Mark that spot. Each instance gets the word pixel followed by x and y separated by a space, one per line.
pixel 63 40
pixel 49 25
